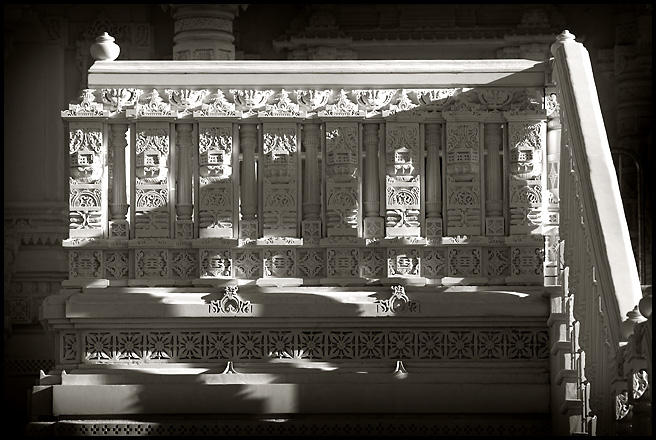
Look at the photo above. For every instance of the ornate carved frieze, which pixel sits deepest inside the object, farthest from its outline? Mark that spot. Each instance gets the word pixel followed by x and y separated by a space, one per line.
pixel 87 154
pixel 372 262
pixel 463 183
pixel 402 104
pixel 218 106
pixel 311 263
pixel 343 179
pixel 279 171
pixel 403 164
pixel 119 99
pixel 342 262
pixel 215 155
pixel 151 105
pixel 434 263
pixel 280 262
pixel 464 262
pixel 85 264
pixel 526 264
pixel 152 216
pixel 248 263
pixel 343 106
pixel 282 108
pixel 185 100
pixel 365 344
pixel 216 263
pixel 249 101
pixel 87 108
pixel 403 262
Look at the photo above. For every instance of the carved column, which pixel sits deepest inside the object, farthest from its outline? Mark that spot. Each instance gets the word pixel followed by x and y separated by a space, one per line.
pixel 248 224
pixel 118 225
pixel 494 224
pixel 373 222
pixel 311 226
pixel 184 227
pixel 433 182
pixel 204 32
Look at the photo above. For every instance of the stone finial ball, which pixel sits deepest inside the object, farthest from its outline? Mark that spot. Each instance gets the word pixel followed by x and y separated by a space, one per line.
pixel 104 49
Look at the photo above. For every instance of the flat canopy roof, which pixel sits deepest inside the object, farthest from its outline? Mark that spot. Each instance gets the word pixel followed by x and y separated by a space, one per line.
pixel 312 74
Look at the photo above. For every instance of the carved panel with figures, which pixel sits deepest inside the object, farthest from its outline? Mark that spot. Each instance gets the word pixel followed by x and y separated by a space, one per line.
pixel 403 173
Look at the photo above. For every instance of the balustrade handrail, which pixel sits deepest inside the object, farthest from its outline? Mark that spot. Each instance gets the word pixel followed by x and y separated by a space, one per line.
pixel 617 273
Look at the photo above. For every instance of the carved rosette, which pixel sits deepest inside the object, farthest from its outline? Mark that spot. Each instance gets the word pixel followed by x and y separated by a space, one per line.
pixel 526 143
pixel 342 179
pixel 278 172
pixel 215 216
pixel 86 161
pixel 463 180
pixel 152 215
pixel 402 180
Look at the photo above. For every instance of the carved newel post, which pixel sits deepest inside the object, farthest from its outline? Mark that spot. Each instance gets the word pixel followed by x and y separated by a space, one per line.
pixel 373 222
pixel 248 226
pixel 184 227
pixel 118 225
pixel 311 226
pixel 494 224
pixel 433 183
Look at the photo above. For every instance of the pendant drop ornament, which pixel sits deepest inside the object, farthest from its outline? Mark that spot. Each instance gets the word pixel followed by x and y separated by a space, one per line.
pixel 104 49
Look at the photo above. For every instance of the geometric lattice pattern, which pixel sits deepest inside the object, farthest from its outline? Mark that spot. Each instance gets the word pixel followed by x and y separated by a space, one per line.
pixel 164 345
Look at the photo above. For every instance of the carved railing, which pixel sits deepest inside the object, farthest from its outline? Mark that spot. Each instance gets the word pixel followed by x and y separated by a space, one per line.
pixel 203 194
pixel 308 185
pixel 597 376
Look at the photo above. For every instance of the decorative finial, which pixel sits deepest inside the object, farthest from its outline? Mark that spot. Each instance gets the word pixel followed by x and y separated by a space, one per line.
pixel 563 37
pixel 104 49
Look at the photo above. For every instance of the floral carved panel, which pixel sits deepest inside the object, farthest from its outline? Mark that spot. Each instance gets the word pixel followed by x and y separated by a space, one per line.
pixel 215 180
pixel 86 160
pixel 342 179
pixel 278 171
pixel 152 217
pixel 526 142
pixel 463 188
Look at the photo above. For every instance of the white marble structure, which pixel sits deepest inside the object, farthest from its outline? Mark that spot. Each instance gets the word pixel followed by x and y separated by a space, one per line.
pixel 306 237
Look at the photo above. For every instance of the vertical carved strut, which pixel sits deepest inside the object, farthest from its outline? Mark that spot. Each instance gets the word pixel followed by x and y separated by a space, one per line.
pixel 183 207
pixel 118 225
pixel 248 140
pixel 433 181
